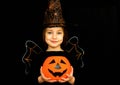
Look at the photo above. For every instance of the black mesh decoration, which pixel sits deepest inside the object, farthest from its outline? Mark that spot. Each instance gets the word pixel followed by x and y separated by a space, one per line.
pixel 53 15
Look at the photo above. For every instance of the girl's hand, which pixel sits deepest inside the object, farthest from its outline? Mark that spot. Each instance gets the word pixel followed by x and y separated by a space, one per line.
pixel 45 78
pixel 69 77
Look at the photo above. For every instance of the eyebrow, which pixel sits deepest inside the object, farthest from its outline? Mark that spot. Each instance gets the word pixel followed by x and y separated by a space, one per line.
pixel 59 30
pixel 52 30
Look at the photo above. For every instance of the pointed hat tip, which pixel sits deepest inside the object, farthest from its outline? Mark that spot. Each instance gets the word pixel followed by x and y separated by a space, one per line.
pixel 53 14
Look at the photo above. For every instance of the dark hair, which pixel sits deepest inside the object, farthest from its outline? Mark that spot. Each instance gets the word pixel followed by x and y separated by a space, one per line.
pixel 65 37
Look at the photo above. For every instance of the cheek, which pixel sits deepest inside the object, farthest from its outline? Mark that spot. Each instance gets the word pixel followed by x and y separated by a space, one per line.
pixel 47 37
pixel 60 37
pixel 47 41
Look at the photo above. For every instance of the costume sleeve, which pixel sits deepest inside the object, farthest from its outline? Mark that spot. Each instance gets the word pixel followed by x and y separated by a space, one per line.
pixel 77 54
pixel 31 48
pixel 75 50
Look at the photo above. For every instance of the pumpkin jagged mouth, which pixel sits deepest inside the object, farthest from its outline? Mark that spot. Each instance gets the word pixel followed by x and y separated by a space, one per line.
pixel 57 73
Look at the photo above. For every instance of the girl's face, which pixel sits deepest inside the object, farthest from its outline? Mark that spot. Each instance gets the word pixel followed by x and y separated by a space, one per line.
pixel 54 37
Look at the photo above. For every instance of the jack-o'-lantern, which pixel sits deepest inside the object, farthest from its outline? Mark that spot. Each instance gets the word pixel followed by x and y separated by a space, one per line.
pixel 56 67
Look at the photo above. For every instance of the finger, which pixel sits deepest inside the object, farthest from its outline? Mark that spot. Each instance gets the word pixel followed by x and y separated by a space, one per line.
pixel 42 73
pixel 41 68
pixel 65 79
pixel 69 77
pixel 61 81
pixel 46 78
pixel 72 69
pixel 52 81
pixel 71 74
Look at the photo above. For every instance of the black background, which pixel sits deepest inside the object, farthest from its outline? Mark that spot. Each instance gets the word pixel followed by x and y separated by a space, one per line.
pixel 94 22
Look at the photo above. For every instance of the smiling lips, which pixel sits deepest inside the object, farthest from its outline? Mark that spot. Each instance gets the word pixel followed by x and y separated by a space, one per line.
pixel 54 41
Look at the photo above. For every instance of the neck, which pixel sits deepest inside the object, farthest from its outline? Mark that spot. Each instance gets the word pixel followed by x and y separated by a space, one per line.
pixel 54 49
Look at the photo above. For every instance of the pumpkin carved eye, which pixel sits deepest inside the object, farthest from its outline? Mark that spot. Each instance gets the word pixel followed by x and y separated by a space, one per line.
pixel 56 67
pixel 62 62
pixel 53 61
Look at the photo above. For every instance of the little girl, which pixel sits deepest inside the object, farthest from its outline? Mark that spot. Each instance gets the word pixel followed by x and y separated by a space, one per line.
pixel 54 38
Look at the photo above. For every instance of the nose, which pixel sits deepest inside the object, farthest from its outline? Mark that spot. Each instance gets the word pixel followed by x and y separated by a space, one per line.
pixel 57 66
pixel 54 35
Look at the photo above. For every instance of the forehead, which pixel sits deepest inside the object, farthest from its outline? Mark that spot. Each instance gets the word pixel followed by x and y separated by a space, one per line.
pixel 54 29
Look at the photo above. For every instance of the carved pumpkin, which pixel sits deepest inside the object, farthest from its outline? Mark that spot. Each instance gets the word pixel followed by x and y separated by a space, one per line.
pixel 56 67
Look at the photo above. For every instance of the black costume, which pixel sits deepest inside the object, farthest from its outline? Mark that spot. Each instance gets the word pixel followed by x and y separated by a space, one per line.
pixel 35 56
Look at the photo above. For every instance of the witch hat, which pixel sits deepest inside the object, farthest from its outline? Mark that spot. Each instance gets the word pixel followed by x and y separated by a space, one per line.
pixel 53 15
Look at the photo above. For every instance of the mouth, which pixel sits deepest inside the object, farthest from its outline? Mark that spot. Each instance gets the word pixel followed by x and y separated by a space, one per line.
pixel 54 41
pixel 57 73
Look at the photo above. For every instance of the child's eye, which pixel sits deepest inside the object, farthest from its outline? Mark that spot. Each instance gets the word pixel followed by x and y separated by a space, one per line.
pixel 49 32
pixel 59 33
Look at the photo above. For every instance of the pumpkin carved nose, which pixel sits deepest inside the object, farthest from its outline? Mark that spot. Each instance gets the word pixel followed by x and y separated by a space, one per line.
pixel 57 66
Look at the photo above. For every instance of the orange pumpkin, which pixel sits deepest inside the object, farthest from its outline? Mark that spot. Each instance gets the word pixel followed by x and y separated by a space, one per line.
pixel 56 67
